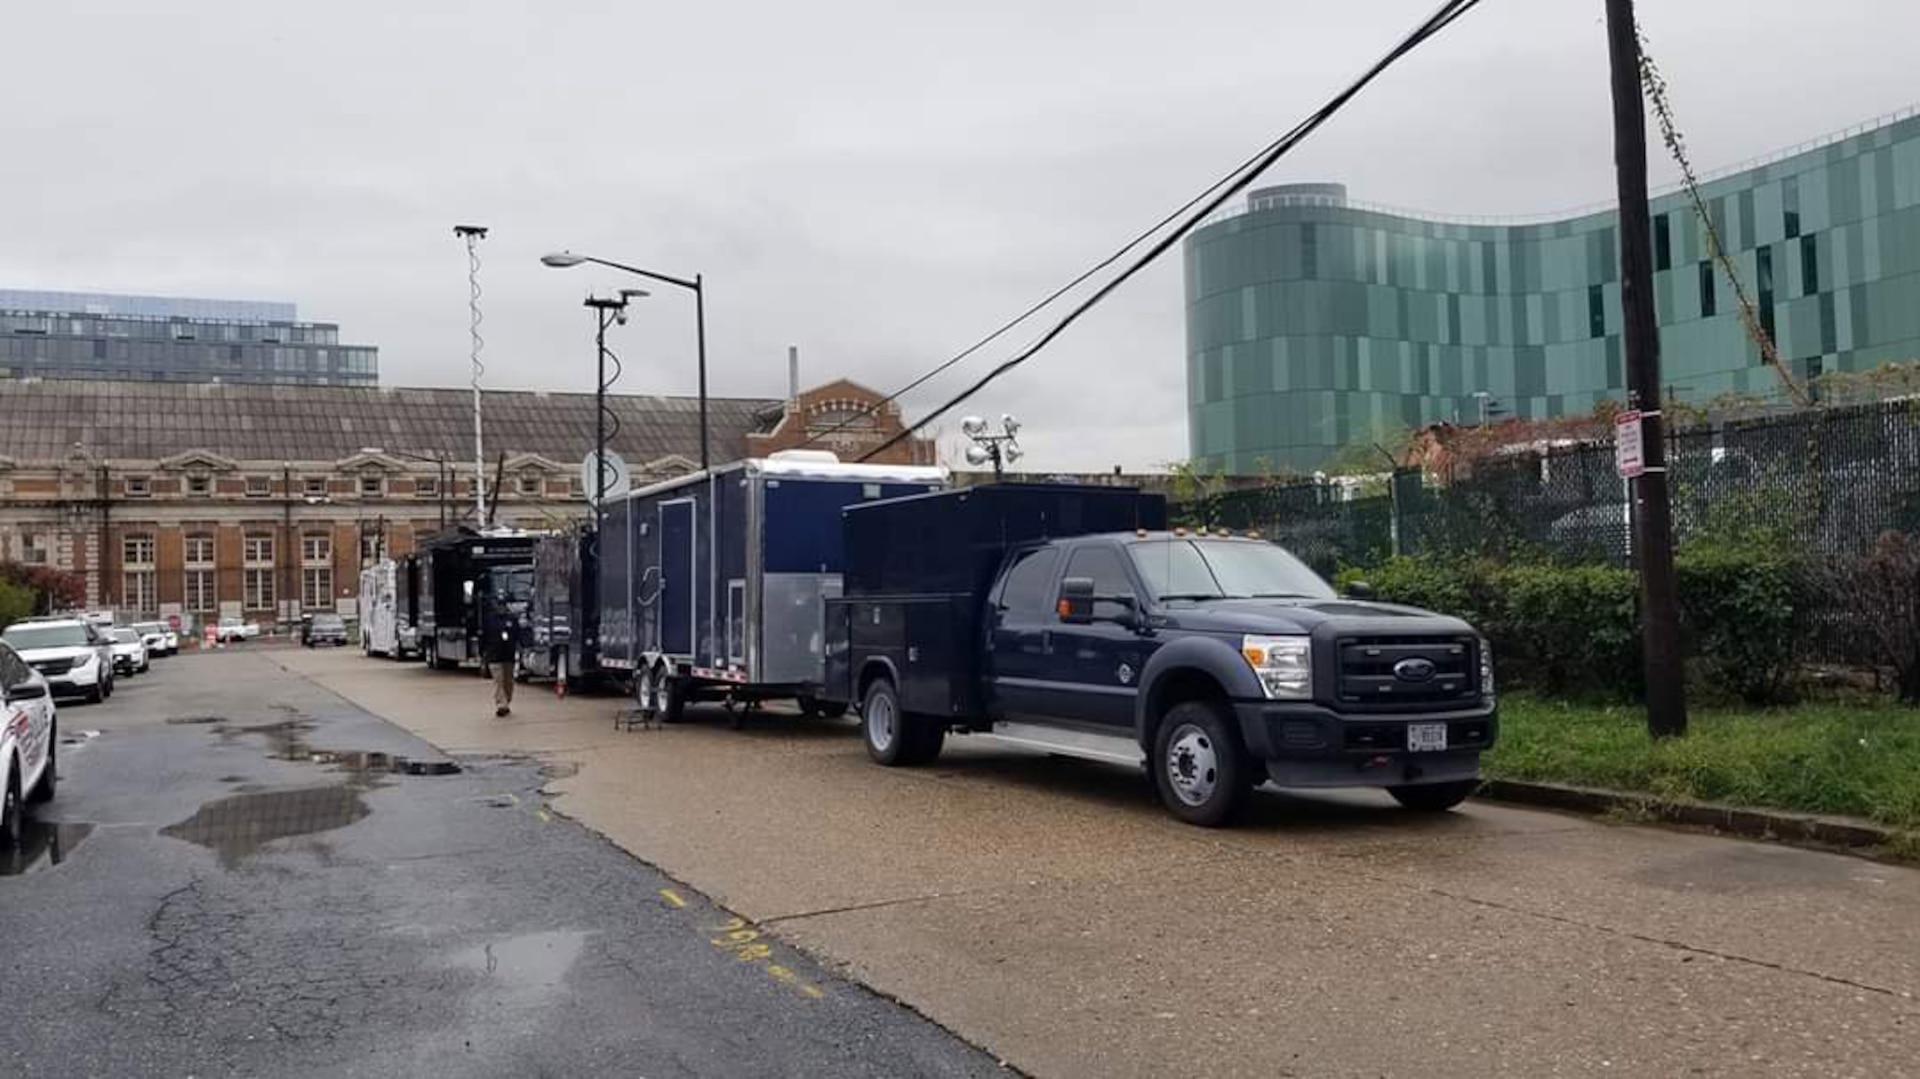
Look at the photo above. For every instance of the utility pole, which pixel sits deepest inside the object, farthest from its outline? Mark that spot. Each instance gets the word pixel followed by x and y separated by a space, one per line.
pixel 1653 517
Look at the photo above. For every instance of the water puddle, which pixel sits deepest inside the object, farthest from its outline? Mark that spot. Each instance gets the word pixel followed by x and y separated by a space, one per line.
pixel 287 741
pixel 185 721
pixel 43 845
pixel 237 826
pixel 521 970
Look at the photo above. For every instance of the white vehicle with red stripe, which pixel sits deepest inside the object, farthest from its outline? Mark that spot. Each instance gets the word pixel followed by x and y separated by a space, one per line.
pixel 29 738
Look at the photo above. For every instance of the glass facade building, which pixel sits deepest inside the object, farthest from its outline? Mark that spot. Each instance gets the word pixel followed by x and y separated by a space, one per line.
pixel 1314 323
pixel 173 339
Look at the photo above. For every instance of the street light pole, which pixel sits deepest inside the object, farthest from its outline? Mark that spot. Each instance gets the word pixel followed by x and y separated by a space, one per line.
pixel 561 260
pixel 606 311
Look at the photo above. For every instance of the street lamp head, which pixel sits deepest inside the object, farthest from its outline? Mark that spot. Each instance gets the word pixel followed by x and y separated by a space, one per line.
pixel 561 260
pixel 633 294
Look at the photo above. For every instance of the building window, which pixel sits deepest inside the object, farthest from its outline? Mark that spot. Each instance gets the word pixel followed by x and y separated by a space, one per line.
pixel 198 550
pixel 426 486
pixel 1706 290
pixel 532 485
pixel 573 487
pixel 373 486
pixel 316 487
pixel 199 591
pixel 138 487
pixel 199 485
pixel 137 551
pixel 1662 244
pixel 137 592
pixel 316 547
pixel 257 549
pixel 372 547
pixel 1764 260
pixel 259 487
pixel 1809 265
pixel 1597 310
pixel 34 549
pixel 257 586
pixel 316 588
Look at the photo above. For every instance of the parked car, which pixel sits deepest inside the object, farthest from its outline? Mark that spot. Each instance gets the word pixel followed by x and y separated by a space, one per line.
pixel 325 629
pixel 27 749
pixel 71 653
pixel 154 636
pixel 233 629
pixel 130 653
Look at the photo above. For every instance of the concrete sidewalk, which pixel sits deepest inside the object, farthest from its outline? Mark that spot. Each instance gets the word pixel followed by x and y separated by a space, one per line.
pixel 1049 911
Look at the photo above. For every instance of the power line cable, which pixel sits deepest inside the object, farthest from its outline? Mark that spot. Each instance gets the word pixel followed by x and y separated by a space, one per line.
pixel 1209 200
pixel 1048 300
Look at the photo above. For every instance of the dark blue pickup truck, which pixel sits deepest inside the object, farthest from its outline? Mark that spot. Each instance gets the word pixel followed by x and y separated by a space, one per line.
pixel 1071 619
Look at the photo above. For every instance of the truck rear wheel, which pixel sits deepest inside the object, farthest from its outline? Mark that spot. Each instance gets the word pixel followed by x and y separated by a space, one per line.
pixel 672 695
pixel 882 726
pixel 1434 797
pixel 1199 766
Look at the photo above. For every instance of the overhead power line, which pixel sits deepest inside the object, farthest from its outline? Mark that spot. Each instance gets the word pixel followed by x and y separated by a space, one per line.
pixel 1206 202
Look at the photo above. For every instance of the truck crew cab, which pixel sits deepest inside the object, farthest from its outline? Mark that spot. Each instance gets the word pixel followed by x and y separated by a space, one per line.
pixel 1070 619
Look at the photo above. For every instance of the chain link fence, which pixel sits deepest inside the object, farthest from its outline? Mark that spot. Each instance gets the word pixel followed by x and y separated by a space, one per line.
pixel 1824 483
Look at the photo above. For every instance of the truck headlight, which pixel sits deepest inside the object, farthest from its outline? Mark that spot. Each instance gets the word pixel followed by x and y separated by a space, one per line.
pixel 1486 669
pixel 1284 665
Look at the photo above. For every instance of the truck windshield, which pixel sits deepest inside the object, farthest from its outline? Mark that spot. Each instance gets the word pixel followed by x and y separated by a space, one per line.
pixel 1223 569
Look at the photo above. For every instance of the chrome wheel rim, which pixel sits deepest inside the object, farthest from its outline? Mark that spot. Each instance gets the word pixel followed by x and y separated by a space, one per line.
pixel 880 721
pixel 1193 766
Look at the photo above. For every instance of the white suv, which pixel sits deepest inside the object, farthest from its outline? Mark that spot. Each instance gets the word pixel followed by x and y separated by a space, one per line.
pixel 72 654
pixel 29 740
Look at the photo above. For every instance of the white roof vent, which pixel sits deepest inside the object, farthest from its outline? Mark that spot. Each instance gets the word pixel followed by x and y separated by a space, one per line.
pixel 818 457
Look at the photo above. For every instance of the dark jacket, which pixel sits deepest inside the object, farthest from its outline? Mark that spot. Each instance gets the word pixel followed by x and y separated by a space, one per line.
pixel 499 634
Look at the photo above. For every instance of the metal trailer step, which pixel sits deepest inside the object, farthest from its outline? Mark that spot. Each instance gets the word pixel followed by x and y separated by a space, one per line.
pixel 1070 742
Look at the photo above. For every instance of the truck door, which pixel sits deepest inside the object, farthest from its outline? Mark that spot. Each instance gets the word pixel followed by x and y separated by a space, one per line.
pixel 1102 660
pixel 1021 637
pixel 676 577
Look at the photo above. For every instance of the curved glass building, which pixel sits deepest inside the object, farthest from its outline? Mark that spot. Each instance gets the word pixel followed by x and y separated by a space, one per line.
pixel 1314 323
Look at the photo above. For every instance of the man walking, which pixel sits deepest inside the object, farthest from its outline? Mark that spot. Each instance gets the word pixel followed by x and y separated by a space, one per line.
pixel 499 646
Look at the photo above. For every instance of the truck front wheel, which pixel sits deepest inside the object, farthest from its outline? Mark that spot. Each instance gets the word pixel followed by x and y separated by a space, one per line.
pixel 1434 797
pixel 882 726
pixel 1199 767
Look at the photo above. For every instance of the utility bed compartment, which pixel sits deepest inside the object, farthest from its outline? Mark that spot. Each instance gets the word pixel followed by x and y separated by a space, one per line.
pixel 918 572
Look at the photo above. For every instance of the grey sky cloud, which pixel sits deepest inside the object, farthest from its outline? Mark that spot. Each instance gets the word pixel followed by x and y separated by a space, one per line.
pixel 877 182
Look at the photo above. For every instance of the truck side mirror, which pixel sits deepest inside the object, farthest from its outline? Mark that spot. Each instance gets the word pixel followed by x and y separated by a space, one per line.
pixel 1076 601
pixel 1358 590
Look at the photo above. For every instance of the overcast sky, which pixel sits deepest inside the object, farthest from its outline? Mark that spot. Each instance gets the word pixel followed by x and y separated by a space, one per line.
pixel 879 183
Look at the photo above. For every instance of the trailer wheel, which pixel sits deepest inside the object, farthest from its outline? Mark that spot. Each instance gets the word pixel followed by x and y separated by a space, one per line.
pixel 673 696
pixel 646 692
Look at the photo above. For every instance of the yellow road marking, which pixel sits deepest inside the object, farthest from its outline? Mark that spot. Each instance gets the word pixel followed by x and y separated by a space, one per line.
pixel 544 817
pixel 672 897
pixel 812 991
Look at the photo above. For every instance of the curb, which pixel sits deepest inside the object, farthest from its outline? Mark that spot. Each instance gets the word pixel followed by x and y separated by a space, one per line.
pixel 1800 829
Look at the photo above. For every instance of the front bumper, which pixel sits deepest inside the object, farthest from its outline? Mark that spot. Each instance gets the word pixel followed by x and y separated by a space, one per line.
pixel 77 680
pixel 1308 745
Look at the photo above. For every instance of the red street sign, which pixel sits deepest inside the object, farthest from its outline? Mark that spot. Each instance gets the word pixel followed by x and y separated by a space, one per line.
pixel 1629 447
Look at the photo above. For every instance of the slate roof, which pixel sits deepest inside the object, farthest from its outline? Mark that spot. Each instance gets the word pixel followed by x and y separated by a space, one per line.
pixel 41 420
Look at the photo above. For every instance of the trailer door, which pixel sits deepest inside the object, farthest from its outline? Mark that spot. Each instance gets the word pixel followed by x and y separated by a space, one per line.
pixel 677 583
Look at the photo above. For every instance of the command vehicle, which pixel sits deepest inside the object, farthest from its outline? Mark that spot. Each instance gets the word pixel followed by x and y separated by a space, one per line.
pixel 1072 620
pixel 74 655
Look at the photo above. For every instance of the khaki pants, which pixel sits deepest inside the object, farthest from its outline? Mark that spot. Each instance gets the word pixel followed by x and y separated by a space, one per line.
pixel 502 683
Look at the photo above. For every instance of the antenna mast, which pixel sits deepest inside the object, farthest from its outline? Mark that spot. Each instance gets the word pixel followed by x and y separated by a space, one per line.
pixel 473 234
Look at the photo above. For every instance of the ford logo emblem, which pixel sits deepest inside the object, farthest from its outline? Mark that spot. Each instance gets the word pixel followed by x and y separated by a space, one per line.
pixel 1415 670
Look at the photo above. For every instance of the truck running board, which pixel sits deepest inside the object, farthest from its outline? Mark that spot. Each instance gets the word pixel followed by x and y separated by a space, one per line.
pixel 1086 745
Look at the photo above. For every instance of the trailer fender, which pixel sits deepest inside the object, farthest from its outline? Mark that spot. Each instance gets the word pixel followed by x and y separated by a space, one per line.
pixel 1188 668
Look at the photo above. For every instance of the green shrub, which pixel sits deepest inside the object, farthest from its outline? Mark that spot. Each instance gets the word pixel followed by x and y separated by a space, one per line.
pixel 1741 609
pixel 16 602
pixel 1570 629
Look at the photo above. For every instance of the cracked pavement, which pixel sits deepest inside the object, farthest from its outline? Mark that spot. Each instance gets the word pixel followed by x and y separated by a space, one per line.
pixel 262 895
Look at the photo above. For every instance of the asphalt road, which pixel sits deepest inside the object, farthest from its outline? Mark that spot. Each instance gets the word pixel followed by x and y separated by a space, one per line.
pixel 234 880
pixel 1049 911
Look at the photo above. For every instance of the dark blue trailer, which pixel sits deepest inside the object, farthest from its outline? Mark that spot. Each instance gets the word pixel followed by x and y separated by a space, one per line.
pixel 713 584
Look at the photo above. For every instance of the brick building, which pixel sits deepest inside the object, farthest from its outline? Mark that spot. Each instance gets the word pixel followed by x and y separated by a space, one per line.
pixel 216 500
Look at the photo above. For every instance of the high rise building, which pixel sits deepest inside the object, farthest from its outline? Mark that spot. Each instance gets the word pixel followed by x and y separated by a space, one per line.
pixel 169 339
pixel 1315 323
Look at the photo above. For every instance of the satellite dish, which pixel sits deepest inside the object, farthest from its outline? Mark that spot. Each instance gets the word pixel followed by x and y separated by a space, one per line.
pixel 618 479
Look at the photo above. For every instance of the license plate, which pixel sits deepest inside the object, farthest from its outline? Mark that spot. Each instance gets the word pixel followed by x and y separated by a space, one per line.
pixel 1426 737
